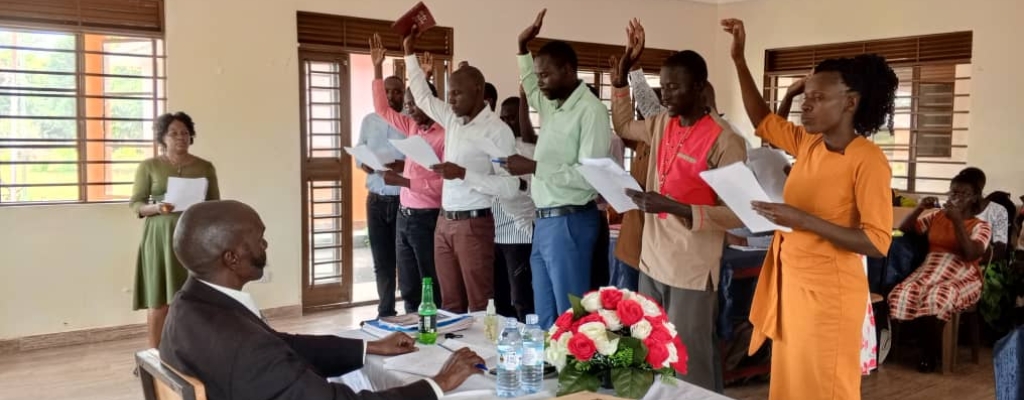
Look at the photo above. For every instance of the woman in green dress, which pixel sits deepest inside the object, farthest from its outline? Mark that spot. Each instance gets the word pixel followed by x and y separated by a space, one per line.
pixel 158 274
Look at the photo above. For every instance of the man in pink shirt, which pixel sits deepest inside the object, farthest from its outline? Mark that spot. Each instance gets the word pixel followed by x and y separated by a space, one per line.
pixel 421 190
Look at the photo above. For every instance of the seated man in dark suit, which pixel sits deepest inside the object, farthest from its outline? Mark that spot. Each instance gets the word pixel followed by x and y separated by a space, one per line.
pixel 214 331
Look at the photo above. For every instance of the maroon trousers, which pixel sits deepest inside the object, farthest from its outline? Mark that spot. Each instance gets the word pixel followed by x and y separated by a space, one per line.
pixel 464 259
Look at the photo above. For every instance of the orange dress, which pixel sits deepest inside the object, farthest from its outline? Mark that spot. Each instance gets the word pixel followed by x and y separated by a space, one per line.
pixel 811 293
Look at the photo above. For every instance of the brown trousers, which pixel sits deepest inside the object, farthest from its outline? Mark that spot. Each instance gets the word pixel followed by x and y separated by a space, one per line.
pixel 464 259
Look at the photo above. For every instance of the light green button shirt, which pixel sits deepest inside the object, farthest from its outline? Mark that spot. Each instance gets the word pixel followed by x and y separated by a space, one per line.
pixel 578 129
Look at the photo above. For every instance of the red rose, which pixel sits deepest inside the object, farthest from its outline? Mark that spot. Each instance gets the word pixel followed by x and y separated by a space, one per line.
pixel 660 333
pixel 610 298
pixel 558 333
pixel 657 353
pixel 593 317
pixel 680 366
pixel 564 321
pixel 581 347
pixel 630 312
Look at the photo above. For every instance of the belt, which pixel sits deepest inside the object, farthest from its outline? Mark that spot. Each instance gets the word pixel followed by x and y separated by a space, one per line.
pixel 408 212
pixel 564 210
pixel 384 197
pixel 461 215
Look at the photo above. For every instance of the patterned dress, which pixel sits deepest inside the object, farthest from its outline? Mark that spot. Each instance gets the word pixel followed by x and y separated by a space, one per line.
pixel 945 284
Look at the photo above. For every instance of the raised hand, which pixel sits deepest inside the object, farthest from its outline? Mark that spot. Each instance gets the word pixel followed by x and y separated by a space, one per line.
pixel 409 41
pixel 377 51
pixel 427 64
pixel 531 32
pixel 735 28
pixel 635 42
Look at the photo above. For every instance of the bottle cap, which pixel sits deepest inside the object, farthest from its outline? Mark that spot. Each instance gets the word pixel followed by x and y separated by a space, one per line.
pixel 532 319
pixel 490 306
pixel 511 322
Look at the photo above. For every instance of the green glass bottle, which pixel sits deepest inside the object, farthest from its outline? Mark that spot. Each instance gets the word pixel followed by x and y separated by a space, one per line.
pixel 428 314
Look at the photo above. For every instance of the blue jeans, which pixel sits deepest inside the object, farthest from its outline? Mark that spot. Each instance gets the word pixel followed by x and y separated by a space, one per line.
pixel 563 248
pixel 622 275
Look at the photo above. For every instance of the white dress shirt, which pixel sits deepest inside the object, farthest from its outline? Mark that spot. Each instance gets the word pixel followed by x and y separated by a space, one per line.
pixel 246 300
pixel 462 145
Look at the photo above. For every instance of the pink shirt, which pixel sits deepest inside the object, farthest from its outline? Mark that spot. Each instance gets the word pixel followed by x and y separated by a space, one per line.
pixel 425 185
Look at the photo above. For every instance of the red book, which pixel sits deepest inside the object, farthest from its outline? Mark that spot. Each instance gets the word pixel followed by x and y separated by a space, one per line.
pixel 419 15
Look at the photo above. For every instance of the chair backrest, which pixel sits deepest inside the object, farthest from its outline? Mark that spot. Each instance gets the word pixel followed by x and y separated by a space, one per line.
pixel 161 382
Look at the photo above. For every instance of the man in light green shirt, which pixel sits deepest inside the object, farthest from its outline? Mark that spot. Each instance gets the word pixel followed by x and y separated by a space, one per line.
pixel 576 126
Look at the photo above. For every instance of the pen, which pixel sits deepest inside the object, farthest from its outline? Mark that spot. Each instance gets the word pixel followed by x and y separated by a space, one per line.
pixel 481 367
pixel 498 160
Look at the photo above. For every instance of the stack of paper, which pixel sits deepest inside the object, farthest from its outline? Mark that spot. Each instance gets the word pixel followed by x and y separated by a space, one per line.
pixel 409 324
pixel 429 359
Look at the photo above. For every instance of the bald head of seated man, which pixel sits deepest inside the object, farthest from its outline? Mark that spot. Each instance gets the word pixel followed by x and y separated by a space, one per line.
pixel 214 331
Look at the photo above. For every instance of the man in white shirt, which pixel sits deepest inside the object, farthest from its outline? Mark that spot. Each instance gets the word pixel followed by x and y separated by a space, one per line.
pixel 474 136
pixel 215 332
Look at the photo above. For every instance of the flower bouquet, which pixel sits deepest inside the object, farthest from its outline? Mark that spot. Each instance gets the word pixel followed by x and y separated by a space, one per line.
pixel 614 338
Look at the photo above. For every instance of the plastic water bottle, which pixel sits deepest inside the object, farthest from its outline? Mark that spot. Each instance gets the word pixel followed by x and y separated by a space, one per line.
pixel 510 350
pixel 533 356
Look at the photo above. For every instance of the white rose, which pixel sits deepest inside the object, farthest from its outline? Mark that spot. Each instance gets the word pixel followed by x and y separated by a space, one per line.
pixel 594 331
pixel 591 302
pixel 673 355
pixel 671 328
pixel 650 308
pixel 628 295
pixel 641 330
pixel 606 347
pixel 557 352
pixel 611 318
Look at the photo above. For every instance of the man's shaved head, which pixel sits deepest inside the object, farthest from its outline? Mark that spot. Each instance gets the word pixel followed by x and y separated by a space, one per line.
pixel 466 91
pixel 216 237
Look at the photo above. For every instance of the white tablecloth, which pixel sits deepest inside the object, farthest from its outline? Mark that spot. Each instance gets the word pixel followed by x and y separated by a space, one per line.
pixel 373 376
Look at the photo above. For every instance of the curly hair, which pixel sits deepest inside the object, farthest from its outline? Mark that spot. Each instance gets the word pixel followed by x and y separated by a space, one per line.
pixel 163 123
pixel 870 76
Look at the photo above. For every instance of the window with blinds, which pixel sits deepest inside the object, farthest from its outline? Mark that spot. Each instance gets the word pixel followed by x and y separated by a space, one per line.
pixel 80 84
pixel 928 143
pixel 595 71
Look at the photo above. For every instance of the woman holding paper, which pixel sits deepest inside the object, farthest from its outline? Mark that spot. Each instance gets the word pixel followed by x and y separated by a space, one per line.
pixel 812 294
pixel 158 274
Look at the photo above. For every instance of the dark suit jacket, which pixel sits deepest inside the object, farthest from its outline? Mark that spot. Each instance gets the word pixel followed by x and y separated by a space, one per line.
pixel 237 356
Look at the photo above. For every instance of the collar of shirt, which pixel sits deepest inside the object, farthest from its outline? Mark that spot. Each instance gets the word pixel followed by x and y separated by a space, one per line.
pixel 242 297
pixel 574 98
pixel 482 117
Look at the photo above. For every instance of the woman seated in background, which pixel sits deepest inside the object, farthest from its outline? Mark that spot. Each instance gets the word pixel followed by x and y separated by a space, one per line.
pixel 950 280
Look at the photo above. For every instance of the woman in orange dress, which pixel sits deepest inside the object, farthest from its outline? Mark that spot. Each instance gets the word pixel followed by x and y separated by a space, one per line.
pixel 949 281
pixel 812 293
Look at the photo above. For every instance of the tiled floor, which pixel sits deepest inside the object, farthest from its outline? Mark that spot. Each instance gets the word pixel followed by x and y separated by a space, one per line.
pixel 104 371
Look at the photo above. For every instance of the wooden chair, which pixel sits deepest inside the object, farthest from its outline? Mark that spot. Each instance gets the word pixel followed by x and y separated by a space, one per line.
pixel 161 382
pixel 951 333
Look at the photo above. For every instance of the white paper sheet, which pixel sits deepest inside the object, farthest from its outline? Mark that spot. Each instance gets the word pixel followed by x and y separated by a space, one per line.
pixel 736 186
pixel 417 150
pixel 769 167
pixel 425 362
pixel 487 146
pixel 488 353
pixel 185 192
pixel 610 180
pixel 369 158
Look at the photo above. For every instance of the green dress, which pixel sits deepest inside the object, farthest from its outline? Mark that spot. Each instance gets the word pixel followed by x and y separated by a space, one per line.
pixel 158 274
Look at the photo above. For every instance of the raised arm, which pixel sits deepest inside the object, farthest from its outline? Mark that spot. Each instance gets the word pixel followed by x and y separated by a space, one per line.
pixel 623 116
pixel 754 103
pixel 434 107
pixel 526 130
pixel 402 123
pixel 796 89
pixel 529 88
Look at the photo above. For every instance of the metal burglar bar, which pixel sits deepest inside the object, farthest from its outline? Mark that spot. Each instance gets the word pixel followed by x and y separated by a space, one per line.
pixel 76 113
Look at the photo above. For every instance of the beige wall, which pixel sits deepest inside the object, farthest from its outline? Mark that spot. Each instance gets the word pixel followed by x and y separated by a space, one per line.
pixel 71 267
pixel 996 135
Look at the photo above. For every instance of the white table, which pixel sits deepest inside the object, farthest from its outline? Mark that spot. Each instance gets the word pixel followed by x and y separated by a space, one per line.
pixel 373 376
